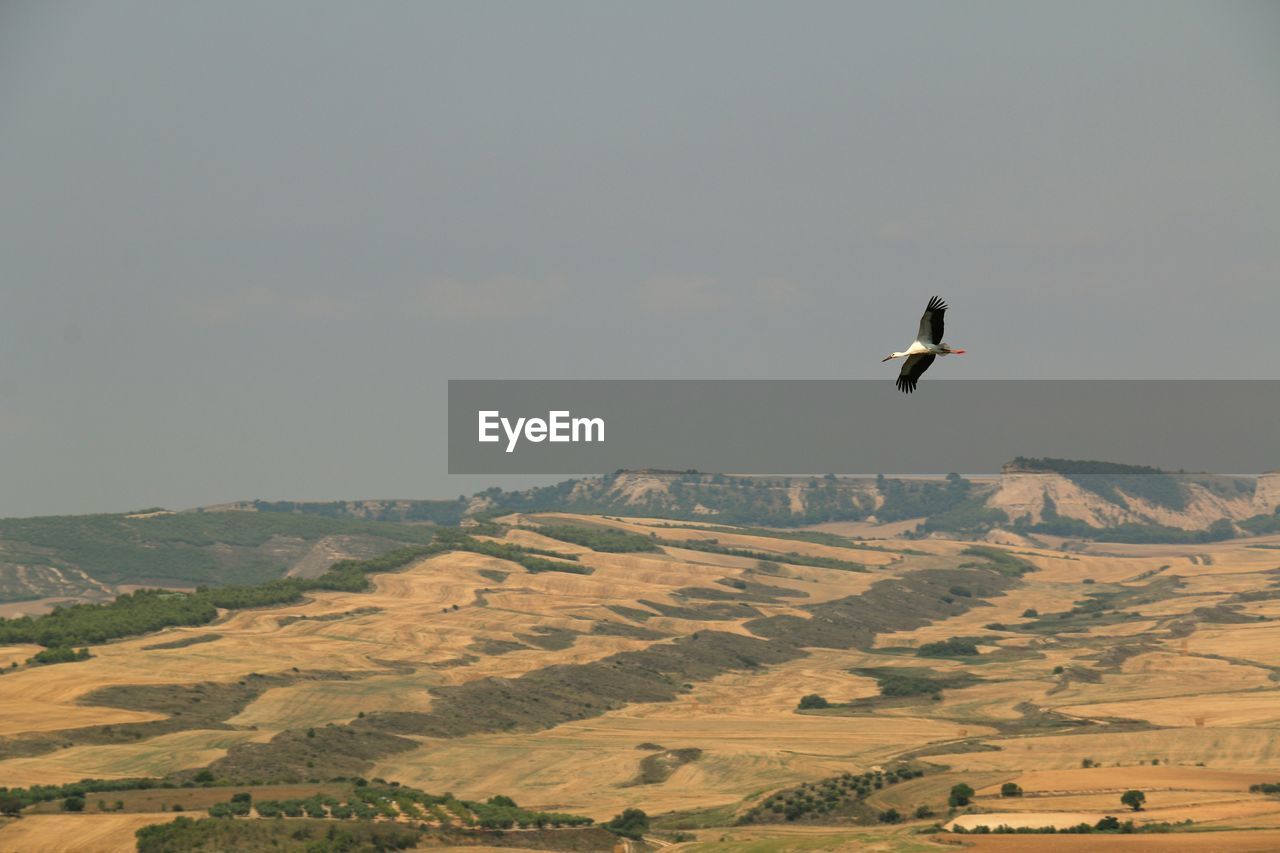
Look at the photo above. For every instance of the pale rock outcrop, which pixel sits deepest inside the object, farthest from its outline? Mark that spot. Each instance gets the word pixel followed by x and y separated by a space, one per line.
pixel 1267 496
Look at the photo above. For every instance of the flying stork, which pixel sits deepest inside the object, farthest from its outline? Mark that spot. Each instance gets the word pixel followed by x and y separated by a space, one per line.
pixel 925 348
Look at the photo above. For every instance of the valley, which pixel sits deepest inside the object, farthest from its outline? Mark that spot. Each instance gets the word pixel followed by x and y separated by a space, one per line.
pixel 666 677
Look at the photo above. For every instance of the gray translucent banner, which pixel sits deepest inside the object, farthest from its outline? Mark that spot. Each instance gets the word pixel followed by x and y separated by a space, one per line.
pixel 859 427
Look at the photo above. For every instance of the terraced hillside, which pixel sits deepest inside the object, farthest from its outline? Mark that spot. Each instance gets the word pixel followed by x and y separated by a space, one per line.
pixel 661 666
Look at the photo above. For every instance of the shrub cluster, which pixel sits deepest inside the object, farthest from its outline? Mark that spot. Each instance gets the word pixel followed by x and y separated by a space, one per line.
pixel 954 647
pixel 837 795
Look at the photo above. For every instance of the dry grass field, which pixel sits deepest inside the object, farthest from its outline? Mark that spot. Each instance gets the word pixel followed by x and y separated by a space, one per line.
pixel 1118 655
pixel 1265 841
pixel 67 833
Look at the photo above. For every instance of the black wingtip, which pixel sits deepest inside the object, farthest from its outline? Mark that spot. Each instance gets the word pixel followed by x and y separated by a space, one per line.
pixel 905 384
pixel 936 304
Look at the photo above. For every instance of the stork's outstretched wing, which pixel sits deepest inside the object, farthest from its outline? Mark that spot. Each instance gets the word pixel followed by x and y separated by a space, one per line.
pixel 931 322
pixel 912 369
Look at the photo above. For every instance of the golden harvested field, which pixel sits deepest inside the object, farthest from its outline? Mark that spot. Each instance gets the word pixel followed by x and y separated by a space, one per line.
pixel 67 833
pixel 1149 677
pixel 1259 641
pixel 746 725
pixel 1019 820
pixel 153 757
pixel 1207 842
pixel 1174 659
pixel 1232 710
pixel 1146 777
pixel 1244 749
pixel 10 655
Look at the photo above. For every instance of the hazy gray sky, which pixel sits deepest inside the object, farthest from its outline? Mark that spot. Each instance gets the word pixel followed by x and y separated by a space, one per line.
pixel 244 245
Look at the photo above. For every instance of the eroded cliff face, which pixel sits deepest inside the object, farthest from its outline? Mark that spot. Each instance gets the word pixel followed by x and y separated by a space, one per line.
pixel 1023 493
pixel 1020 493
pixel 1267 496
pixel 637 486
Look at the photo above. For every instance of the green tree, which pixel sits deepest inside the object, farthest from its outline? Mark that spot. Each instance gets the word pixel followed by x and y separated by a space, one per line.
pixel 1133 799
pixel 10 805
pixel 961 795
pixel 955 647
pixel 813 700
pixel 73 804
pixel 1010 789
pixel 632 823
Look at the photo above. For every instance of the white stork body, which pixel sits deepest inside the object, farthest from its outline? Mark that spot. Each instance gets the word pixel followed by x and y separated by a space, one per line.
pixel 927 346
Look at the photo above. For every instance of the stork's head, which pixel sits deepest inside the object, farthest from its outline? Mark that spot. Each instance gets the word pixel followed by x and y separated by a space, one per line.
pixel 891 356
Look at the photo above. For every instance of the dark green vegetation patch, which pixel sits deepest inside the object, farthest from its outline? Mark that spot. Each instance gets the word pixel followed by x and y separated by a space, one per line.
pixel 599 538
pixel 658 767
pixel 902 681
pixel 737 589
pixel 954 647
pixel 204 705
pixel 609 628
pixel 198 639
pixel 711 546
pixel 837 799
pixel 551 639
pixel 306 836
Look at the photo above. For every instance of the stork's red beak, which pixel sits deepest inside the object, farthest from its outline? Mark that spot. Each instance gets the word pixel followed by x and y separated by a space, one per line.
pixel 957 352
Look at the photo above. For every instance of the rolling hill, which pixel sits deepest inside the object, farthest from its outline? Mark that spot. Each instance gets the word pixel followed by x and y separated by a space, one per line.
pixel 59 559
pixel 585 666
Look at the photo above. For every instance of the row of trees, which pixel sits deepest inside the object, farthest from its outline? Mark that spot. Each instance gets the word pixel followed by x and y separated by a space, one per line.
pixel 394 801
pixel 962 795
pixel 841 795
